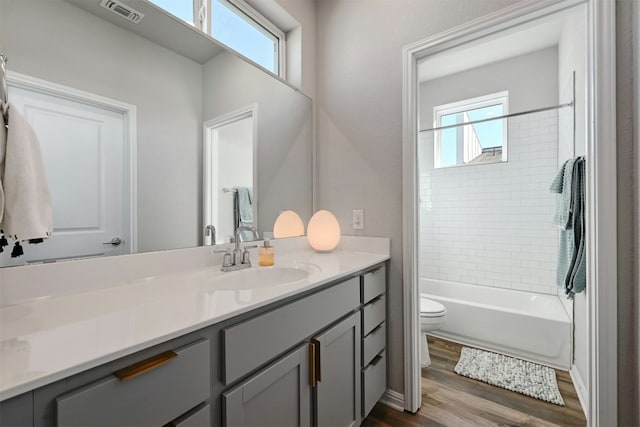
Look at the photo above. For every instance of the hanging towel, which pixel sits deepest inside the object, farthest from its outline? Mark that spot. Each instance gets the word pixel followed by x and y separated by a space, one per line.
pixel 243 212
pixel 569 218
pixel 26 201
pixel 562 185
pixel 3 149
pixel 245 206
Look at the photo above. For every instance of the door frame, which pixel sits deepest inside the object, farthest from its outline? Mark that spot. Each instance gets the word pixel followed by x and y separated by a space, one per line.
pixel 602 400
pixel 129 113
pixel 207 164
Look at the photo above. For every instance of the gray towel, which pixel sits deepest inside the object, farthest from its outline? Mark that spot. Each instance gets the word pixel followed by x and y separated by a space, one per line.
pixel 245 206
pixel 569 217
pixel 26 201
pixel 562 185
pixel 243 212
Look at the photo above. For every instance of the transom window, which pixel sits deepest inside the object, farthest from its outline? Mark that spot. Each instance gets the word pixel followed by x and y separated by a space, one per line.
pixel 482 141
pixel 235 24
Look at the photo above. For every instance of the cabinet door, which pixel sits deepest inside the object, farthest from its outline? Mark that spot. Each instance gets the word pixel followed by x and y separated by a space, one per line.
pixel 338 386
pixel 278 396
pixel 17 411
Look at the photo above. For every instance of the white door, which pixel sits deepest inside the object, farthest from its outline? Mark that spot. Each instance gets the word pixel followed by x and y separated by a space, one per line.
pixel 83 148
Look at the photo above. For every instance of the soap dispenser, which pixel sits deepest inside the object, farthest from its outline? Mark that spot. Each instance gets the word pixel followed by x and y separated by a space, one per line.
pixel 266 254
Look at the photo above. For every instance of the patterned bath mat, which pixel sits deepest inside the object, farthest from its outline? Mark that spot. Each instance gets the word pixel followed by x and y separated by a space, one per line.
pixel 512 374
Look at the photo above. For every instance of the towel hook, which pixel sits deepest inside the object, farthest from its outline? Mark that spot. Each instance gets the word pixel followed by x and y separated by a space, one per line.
pixel 5 96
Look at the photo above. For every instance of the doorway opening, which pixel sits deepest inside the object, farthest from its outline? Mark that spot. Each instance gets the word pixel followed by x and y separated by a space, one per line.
pixel 230 143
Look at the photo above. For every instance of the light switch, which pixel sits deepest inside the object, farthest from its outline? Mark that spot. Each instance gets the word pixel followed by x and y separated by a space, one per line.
pixel 358 219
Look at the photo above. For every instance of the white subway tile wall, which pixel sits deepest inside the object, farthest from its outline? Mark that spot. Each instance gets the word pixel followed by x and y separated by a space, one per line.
pixel 490 224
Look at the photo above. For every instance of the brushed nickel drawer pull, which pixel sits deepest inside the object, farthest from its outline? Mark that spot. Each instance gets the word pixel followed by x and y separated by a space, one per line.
pixel 312 364
pixel 377 329
pixel 317 359
pixel 147 365
pixel 376 360
pixel 376 300
pixel 376 271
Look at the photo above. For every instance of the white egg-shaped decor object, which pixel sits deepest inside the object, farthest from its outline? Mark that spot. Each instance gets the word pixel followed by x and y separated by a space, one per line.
pixel 323 231
pixel 288 224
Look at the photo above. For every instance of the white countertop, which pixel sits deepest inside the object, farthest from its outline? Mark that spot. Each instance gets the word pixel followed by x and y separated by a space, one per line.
pixel 46 339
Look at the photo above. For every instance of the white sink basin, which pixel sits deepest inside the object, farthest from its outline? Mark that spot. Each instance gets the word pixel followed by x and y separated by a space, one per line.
pixel 256 277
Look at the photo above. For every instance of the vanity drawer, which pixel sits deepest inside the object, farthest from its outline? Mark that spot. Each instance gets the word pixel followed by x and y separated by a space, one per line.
pixel 374 383
pixel 373 314
pixel 152 392
pixel 252 343
pixel 374 343
pixel 198 417
pixel 373 284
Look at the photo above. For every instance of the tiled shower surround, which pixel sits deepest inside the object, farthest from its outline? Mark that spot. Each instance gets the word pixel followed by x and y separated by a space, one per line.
pixel 490 224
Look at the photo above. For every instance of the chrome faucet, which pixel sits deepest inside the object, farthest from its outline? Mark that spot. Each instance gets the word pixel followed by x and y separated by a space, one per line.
pixel 240 258
pixel 210 230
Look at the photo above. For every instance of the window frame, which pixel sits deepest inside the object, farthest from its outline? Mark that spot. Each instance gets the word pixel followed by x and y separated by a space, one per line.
pixel 202 18
pixel 259 22
pixel 439 111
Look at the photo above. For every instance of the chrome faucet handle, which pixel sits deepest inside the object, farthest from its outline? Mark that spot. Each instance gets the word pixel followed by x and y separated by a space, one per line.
pixel 246 256
pixel 226 259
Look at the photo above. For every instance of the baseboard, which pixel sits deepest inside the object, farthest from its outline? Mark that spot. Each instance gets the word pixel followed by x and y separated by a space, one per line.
pixel 581 390
pixel 393 399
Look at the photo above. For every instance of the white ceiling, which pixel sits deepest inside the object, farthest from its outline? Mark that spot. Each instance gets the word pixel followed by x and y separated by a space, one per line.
pixel 518 42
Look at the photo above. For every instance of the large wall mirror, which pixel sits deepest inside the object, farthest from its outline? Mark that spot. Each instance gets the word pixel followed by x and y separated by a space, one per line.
pixel 150 131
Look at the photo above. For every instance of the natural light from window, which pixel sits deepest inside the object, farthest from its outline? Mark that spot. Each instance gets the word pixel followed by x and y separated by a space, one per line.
pixel 477 143
pixel 245 37
pixel 232 26
pixel 182 9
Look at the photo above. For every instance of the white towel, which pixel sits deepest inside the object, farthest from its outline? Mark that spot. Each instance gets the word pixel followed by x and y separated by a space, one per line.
pixel 26 201
pixel 3 149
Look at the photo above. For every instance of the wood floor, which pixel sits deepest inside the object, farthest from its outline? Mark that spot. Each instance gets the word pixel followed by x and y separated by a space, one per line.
pixel 449 399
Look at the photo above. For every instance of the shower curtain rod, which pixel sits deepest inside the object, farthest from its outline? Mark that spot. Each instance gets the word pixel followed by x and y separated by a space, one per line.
pixel 506 116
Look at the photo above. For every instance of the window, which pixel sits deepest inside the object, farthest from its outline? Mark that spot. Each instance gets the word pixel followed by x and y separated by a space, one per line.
pixel 235 24
pixel 183 9
pixel 484 141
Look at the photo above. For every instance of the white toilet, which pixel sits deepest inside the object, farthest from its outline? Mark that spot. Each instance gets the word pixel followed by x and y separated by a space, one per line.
pixel 432 317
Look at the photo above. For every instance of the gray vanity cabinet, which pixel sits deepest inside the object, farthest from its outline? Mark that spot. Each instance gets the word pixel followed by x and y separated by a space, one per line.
pixel 279 395
pixel 338 376
pixel 154 391
pixel 317 359
pixel 324 328
pixel 17 411
pixel 374 365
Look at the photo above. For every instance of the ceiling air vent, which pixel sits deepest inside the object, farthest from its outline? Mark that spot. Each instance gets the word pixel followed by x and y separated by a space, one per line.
pixel 123 10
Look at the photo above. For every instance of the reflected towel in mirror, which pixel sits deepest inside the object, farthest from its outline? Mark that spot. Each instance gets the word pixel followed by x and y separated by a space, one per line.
pixel 243 212
pixel 26 211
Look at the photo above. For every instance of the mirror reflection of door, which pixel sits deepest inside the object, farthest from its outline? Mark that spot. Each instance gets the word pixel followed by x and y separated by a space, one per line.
pixel 229 198
pixel 85 153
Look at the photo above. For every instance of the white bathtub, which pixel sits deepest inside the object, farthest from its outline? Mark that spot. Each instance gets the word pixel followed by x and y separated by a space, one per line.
pixel 534 327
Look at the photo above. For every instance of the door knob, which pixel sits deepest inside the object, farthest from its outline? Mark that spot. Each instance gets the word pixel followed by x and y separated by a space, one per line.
pixel 116 241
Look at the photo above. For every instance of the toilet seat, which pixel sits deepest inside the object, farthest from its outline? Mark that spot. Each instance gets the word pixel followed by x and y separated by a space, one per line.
pixel 431 308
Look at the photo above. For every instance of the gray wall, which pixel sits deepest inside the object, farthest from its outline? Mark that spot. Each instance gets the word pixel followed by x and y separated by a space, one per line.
pixel 284 130
pixel 304 12
pixel 359 119
pixel 531 79
pixel 55 41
